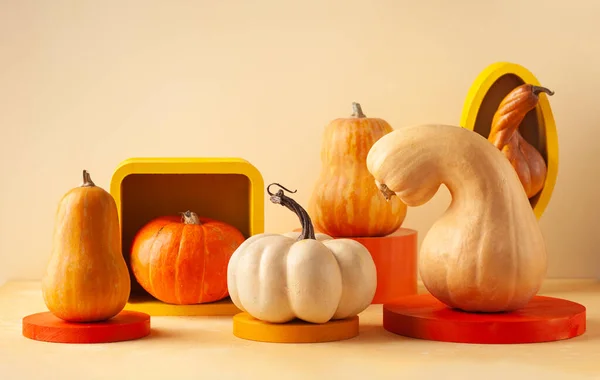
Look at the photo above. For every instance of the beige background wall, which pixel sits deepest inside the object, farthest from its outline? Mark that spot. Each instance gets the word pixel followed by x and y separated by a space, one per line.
pixel 86 84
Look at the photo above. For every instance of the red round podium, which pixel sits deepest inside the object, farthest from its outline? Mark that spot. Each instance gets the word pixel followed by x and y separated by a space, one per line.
pixel 544 319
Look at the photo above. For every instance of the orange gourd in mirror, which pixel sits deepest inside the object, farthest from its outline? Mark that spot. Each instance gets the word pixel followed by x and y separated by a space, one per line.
pixel 86 279
pixel 345 201
pixel 182 260
pixel 504 134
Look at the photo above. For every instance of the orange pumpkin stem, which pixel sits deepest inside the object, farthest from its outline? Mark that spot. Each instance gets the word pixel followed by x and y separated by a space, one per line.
pixel 308 230
pixel 357 110
pixel 190 217
pixel 87 180
pixel 539 89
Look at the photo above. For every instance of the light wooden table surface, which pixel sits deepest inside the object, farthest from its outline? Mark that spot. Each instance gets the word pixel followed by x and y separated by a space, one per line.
pixel 204 348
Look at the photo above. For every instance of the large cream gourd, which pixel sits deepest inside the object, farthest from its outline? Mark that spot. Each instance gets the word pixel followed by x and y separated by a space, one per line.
pixel 280 277
pixel 486 253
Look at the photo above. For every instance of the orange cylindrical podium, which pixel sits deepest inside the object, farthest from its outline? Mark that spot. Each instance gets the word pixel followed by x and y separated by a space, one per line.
pixel 395 258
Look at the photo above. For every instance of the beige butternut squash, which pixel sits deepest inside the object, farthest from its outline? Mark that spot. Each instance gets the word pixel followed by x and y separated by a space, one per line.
pixel 486 253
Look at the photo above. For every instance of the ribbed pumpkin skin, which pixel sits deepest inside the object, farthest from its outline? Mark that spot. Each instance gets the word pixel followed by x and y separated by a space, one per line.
pixel 486 253
pixel 184 264
pixel 86 279
pixel 345 201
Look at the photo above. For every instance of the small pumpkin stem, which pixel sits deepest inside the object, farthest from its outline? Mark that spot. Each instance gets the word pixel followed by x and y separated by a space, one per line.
pixel 387 193
pixel 308 230
pixel 87 180
pixel 357 110
pixel 190 217
pixel 539 89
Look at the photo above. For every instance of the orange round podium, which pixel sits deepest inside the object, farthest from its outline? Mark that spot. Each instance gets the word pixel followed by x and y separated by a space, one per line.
pixel 395 257
pixel 247 327
pixel 544 319
pixel 127 325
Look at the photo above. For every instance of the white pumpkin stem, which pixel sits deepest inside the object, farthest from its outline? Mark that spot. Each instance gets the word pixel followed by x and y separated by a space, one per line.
pixel 190 217
pixel 357 110
pixel 308 230
pixel 87 180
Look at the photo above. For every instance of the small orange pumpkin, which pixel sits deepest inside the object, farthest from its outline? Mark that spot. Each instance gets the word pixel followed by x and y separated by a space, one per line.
pixel 345 201
pixel 504 134
pixel 183 260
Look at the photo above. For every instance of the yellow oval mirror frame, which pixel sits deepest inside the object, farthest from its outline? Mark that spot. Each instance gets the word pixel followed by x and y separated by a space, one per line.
pixel 538 127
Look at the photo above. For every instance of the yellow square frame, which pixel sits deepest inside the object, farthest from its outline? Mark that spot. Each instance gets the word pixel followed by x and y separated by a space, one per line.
pixel 226 189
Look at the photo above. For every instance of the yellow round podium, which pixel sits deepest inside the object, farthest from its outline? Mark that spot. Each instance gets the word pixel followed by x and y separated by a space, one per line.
pixel 247 327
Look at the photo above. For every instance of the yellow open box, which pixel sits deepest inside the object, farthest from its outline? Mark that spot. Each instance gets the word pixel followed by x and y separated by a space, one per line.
pixel 227 189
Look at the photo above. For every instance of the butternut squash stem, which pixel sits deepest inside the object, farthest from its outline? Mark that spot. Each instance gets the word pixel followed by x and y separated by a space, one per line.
pixel 308 230
pixel 357 110
pixel 539 89
pixel 190 217
pixel 87 180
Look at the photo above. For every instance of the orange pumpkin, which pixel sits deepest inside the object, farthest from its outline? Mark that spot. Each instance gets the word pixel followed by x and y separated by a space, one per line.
pixel 346 201
pixel 504 134
pixel 183 260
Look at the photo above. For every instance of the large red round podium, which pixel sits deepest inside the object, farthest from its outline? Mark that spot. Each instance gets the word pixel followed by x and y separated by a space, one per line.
pixel 544 319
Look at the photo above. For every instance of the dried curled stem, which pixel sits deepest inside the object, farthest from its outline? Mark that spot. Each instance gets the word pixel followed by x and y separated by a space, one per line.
pixel 308 231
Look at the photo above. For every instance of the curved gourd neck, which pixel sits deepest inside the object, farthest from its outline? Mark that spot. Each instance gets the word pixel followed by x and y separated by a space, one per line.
pixel 471 178
pixel 476 179
pixel 482 183
pixel 416 161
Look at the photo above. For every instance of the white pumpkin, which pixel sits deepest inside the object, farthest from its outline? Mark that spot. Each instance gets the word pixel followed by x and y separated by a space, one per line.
pixel 486 253
pixel 280 277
